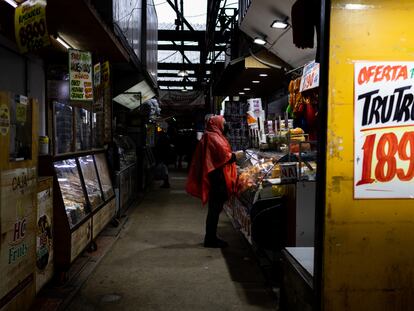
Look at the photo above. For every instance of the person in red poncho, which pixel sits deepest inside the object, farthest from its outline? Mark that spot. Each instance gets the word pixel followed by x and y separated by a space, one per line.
pixel 212 175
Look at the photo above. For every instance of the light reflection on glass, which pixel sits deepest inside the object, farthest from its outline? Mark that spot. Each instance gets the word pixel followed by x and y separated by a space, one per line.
pixel 357 6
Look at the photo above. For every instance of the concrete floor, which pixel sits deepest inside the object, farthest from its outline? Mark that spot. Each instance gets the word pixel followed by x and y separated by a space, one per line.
pixel 158 263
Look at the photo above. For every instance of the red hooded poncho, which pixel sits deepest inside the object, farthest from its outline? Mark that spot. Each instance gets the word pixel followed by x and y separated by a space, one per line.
pixel 213 151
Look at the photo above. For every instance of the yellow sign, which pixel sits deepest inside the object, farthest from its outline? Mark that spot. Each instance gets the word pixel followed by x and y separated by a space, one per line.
pixel 105 74
pixel 30 26
pixel 4 119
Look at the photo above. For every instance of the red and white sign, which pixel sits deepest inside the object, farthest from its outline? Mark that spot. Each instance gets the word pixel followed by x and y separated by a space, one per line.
pixel 310 77
pixel 288 172
pixel 384 130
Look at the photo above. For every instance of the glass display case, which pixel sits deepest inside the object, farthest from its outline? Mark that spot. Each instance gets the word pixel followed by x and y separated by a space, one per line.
pixel 126 151
pixel 70 185
pixel 83 203
pixel 104 177
pixel 260 173
pixel 83 129
pixel 63 127
pixel 90 177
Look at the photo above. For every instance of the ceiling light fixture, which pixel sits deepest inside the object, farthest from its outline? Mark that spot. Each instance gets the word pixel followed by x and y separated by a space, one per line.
pixel 242 93
pixel 183 73
pixel 255 81
pixel 259 41
pixel 63 43
pixel 263 75
pixel 279 24
pixel 12 3
pixel 246 89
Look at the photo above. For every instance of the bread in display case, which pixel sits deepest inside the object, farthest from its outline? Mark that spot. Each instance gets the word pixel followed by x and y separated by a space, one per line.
pixel 70 185
pixel 81 209
pixel 90 177
pixel 104 176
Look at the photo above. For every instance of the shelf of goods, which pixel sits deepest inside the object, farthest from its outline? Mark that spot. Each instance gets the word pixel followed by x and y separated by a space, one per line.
pixel 270 209
pixel 83 202
pixel 236 120
pixel 126 173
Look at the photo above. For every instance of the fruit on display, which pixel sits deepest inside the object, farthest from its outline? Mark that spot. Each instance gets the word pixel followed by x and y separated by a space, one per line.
pixel 278 190
pixel 248 177
pixel 276 171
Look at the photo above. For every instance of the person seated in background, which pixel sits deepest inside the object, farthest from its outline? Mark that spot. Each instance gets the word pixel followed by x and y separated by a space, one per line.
pixel 212 176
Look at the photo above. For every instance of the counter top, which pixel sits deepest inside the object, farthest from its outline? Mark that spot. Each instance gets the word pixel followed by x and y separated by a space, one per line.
pixel 304 256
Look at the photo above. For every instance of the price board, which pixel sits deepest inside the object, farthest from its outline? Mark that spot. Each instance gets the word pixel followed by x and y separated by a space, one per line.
pixel 310 77
pixel 80 75
pixel 30 26
pixel 383 130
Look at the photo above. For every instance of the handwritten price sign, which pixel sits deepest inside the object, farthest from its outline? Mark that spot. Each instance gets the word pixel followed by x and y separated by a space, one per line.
pixel 384 130
pixel 30 25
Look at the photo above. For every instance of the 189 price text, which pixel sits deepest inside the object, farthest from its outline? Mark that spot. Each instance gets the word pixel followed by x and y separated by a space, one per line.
pixel 390 151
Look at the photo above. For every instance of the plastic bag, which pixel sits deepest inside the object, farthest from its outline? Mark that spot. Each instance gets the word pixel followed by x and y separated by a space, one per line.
pixel 161 172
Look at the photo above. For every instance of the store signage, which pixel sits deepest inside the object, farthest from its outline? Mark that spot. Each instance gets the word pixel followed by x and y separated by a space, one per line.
pixel 310 77
pixel 30 26
pixel 44 240
pixel 383 130
pixel 105 74
pixel 4 119
pixel 288 172
pixel 80 75
pixel 21 109
pixel 17 249
pixel 97 75
pixel 135 96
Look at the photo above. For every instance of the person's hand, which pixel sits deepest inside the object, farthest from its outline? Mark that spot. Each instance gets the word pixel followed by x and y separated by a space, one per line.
pixel 239 154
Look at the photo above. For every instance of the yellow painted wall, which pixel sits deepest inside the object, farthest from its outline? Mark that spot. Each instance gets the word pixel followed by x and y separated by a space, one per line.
pixel 368 244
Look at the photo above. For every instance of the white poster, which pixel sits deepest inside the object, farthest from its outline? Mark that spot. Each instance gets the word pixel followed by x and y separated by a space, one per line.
pixel 310 77
pixel 384 130
pixel 80 75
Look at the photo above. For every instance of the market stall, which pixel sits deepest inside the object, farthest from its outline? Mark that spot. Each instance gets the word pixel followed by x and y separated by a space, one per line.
pixel 274 207
pixel 18 181
pixel 83 197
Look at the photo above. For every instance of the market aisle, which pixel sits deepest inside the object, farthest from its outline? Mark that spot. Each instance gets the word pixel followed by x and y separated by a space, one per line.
pixel 158 263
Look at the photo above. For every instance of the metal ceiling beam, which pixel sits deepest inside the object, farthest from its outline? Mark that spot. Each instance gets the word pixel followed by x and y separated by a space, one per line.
pixel 172 47
pixel 179 66
pixel 181 15
pixel 174 75
pixel 177 83
pixel 177 47
pixel 186 35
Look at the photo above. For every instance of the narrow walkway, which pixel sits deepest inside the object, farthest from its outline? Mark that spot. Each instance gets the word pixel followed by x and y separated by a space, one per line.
pixel 159 263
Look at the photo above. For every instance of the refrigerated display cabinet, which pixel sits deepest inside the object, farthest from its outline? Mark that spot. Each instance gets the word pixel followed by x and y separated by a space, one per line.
pixel 92 183
pixel 83 203
pixel 268 210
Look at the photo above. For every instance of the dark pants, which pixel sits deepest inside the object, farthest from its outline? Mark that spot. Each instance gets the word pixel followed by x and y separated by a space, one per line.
pixel 215 206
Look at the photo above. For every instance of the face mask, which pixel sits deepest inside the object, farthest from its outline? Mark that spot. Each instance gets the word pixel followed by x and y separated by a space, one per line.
pixel 226 129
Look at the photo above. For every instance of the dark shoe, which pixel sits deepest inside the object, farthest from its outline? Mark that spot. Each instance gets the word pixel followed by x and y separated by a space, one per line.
pixel 165 185
pixel 217 243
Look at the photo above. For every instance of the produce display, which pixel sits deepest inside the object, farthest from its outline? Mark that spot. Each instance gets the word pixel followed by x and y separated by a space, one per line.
pixel 260 175
pixel 250 176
